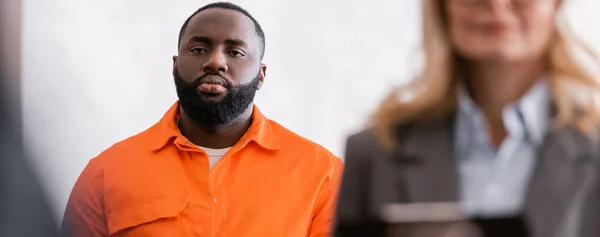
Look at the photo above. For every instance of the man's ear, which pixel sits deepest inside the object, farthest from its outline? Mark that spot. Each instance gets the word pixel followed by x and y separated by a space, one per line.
pixel 174 65
pixel 263 74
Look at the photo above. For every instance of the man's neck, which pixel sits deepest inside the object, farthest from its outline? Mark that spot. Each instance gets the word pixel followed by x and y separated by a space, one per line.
pixel 215 137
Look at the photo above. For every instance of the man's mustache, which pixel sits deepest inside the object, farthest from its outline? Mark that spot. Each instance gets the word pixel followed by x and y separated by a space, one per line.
pixel 199 80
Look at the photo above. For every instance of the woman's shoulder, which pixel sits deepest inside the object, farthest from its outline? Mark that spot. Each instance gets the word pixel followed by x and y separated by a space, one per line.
pixel 368 136
pixel 365 144
pixel 365 136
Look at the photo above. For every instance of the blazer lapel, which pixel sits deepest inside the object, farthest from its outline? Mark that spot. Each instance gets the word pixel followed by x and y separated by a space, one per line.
pixel 429 170
pixel 564 172
pixel 561 178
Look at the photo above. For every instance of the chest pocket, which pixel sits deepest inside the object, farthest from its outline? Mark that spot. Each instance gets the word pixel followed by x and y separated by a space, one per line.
pixel 149 218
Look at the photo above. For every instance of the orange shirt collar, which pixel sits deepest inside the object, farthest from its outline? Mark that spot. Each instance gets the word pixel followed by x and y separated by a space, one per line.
pixel 166 131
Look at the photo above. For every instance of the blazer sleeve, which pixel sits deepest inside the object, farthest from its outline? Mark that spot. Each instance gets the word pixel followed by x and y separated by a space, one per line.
pixel 352 217
pixel 352 194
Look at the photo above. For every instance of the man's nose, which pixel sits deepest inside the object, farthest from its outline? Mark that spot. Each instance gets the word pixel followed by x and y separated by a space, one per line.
pixel 216 62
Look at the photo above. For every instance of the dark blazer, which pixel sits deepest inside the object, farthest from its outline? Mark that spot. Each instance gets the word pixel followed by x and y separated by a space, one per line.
pixel 563 199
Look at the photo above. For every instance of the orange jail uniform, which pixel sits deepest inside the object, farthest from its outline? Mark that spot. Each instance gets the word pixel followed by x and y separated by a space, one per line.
pixel 271 183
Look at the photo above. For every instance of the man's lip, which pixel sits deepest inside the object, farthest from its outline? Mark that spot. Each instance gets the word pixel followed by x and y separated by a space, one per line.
pixel 213 79
pixel 210 88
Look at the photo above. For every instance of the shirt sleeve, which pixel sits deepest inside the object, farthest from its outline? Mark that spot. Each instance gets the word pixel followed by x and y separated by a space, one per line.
pixel 84 214
pixel 322 223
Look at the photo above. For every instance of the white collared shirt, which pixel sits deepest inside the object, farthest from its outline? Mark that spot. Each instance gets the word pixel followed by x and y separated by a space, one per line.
pixel 494 182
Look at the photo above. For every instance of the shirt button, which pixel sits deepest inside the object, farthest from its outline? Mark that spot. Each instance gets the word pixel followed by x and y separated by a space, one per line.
pixel 215 200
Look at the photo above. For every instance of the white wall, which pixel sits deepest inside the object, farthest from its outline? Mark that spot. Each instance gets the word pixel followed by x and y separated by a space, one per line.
pixel 98 71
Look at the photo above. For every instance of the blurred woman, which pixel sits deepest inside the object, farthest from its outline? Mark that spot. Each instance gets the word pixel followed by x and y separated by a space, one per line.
pixel 503 119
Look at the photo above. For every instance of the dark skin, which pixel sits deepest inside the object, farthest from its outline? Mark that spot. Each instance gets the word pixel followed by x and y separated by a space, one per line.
pixel 220 40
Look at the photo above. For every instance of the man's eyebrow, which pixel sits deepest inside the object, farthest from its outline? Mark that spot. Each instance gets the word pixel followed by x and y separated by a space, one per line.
pixel 235 42
pixel 200 39
pixel 206 40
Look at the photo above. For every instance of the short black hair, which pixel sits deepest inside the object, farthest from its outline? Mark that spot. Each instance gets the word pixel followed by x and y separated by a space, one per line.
pixel 230 6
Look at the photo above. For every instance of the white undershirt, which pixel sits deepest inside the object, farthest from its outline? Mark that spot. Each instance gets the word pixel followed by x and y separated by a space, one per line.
pixel 214 155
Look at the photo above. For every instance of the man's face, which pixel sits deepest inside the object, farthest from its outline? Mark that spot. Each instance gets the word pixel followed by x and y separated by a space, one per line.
pixel 218 70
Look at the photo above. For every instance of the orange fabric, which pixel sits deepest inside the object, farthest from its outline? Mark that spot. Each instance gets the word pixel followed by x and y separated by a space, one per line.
pixel 271 183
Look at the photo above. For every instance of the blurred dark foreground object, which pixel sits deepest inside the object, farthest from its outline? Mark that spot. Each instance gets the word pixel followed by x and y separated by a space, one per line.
pixel 501 227
pixel 24 211
pixel 433 220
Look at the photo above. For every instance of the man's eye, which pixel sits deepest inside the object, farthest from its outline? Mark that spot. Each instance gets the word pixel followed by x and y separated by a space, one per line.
pixel 236 53
pixel 197 50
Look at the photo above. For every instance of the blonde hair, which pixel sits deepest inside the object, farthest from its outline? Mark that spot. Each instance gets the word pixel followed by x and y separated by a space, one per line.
pixel 434 90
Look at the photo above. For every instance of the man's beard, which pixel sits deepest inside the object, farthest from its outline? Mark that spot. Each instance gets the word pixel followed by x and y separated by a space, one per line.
pixel 212 114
